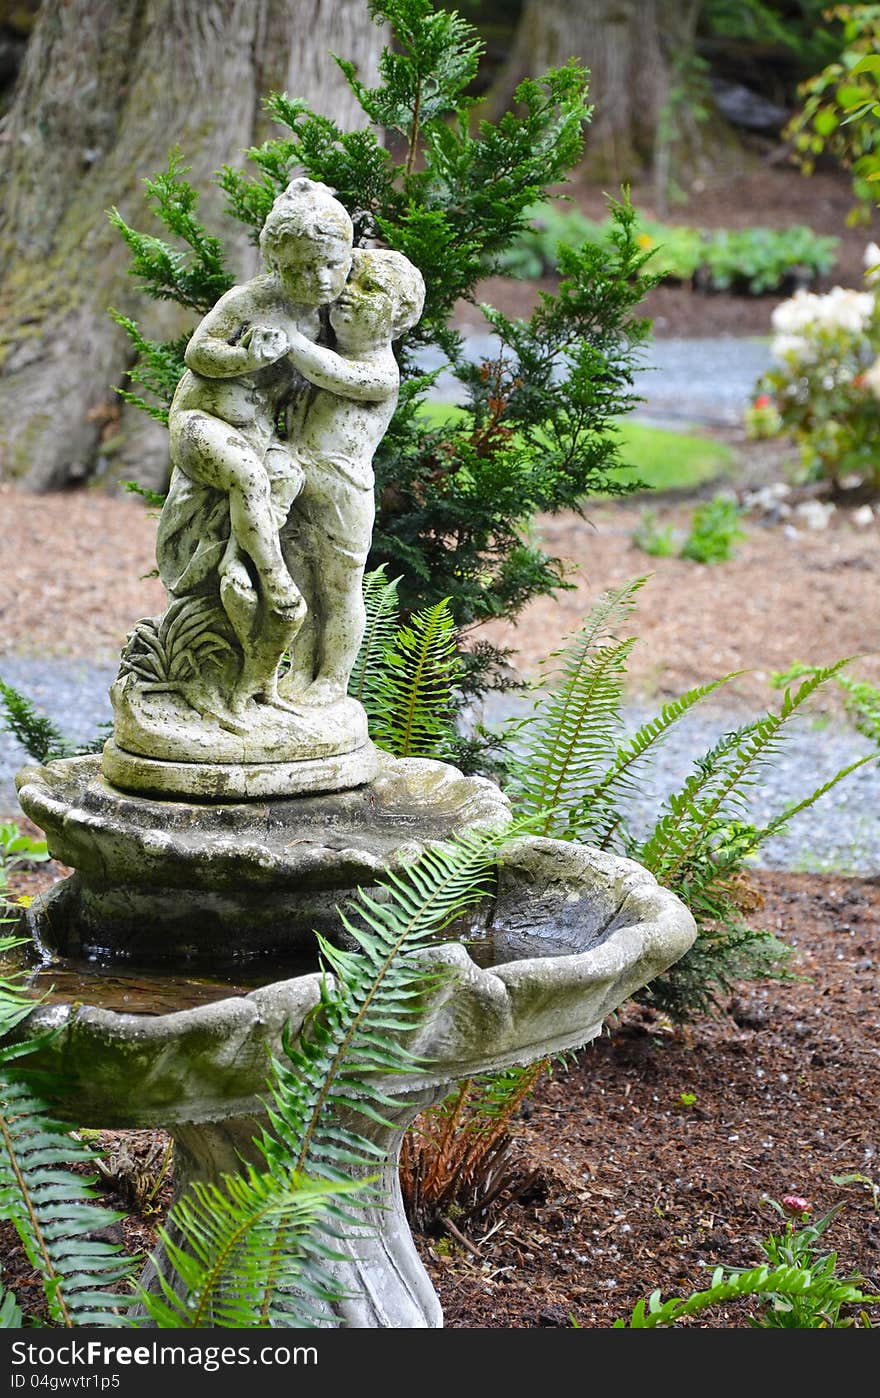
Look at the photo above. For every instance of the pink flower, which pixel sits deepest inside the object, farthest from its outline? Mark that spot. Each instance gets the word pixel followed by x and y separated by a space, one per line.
pixel 795 1204
pixel 762 400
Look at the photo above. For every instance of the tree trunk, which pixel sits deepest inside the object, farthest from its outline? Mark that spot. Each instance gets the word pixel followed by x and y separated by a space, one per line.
pixel 629 46
pixel 107 88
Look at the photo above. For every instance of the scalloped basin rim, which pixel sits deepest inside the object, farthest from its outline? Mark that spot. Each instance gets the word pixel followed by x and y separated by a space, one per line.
pixel 209 1063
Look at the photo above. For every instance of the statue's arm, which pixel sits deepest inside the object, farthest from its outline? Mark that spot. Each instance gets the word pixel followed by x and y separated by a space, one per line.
pixel 226 342
pixel 370 380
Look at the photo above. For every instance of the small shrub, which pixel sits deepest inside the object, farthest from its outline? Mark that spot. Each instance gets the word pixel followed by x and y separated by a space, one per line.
pixel 753 261
pixel 657 540
pixel 760 260
pixel 714 531
pixel 825 386
pixel 39 736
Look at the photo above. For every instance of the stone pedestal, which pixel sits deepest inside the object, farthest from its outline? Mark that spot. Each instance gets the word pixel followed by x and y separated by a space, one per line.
pixel 162 746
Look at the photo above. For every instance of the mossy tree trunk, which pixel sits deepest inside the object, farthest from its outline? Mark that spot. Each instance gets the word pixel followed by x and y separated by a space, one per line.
pixel 630 48
pixel 107 88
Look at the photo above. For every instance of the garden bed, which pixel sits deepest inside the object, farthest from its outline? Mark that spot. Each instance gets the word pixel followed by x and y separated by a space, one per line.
pixel 652 1153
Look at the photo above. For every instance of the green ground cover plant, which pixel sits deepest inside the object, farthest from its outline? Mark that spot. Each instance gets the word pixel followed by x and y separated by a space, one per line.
pixel 798 1287
pixel 754 261
pixel 711 537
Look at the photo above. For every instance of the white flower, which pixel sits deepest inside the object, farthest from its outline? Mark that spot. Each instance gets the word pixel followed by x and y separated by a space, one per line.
pixel 839 309
pixel 845 310
pixel 792 350
pixel 796 313
pixel 870 262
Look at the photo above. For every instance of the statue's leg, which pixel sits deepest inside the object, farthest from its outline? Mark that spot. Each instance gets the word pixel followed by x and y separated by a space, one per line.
pixel 297 541
pixel 220 456
pixel 263 634
pixel 342 534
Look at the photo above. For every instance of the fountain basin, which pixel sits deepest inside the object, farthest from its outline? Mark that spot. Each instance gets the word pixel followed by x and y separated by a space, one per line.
pixel 180 882
pixel 581 931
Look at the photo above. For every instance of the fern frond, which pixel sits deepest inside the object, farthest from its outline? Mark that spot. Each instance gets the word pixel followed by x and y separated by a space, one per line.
pixel 718 790
pixel 573 737
pixel 381 605
pixel 569 739
pixel 785 1281
pixel 415 689
pixel 779 822
pixel 596 817
pixel 273 1264
pixel 54 1210
pixel 229 1231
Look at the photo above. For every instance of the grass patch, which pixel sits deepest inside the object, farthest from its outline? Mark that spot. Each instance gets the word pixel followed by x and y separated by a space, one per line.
pixel 672 460
pixel 664 460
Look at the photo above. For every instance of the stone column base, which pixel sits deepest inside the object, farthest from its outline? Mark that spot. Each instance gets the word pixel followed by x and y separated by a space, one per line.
pixel 237 781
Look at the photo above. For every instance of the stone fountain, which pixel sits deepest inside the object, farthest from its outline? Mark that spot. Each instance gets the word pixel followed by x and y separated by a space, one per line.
pixel 240 799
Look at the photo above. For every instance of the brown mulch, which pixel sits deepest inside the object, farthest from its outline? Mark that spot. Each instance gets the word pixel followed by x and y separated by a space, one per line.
pixel 783 596
pixel 75 565
pixel 652 1152
pixel 656 1150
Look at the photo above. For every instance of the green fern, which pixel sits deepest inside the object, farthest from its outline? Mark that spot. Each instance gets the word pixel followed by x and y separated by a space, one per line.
pixel 699 847
pixel 380 602
pixel 785 1282
pixel 251 1255
pixel 414 691
pixel 52 1207
pixel 862 701
pixel 717 792
pixel 221 1269
pixel 11 1317
pixel 54 1210
pixel 800 1288
pixel 572 735
pixel 598 816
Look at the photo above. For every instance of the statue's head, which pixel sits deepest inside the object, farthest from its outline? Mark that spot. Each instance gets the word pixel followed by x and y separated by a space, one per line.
pixel 307 240
pixel 383 297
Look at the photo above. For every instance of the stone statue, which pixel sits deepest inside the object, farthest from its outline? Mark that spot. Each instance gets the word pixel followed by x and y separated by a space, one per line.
pixel 328 533
pixel 265 531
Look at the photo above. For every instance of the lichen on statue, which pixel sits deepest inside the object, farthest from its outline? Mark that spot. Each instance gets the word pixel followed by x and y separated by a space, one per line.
pixel 265 531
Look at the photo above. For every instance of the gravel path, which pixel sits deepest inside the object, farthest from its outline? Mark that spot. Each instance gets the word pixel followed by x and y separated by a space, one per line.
pixel 707 381
pixel 840 833
pixel 73 693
